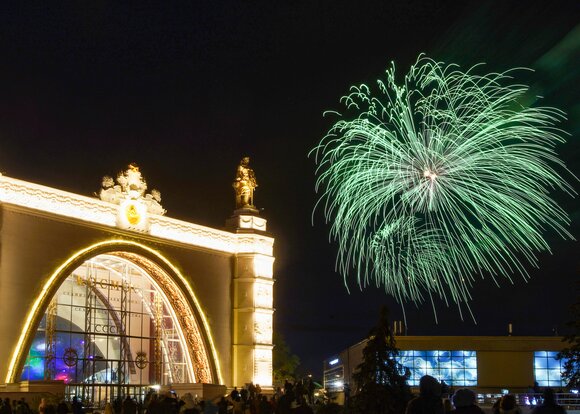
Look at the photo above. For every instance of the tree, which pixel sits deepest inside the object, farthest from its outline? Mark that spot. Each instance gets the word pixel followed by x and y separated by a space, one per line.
pixel 381 382
pixel 571 354
pixel 284 361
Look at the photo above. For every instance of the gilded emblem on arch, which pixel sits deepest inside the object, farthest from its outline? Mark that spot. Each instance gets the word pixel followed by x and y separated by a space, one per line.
pixel 132 214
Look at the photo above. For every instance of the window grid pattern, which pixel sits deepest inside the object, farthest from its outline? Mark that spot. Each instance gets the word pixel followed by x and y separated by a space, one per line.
pixel 455 368
pixel 334 379
pixel 106 314
pixel 548 369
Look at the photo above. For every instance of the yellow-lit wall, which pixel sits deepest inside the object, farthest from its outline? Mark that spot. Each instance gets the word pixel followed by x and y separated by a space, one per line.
pixel 33 245
pixel 505 369
pixel 502 361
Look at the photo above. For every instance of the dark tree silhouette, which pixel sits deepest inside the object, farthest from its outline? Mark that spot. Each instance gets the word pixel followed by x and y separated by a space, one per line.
pixel 284 361
pixel 381 382
pixel 571 374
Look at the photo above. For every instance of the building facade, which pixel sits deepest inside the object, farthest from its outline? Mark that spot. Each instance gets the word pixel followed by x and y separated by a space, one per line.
pixel 107 296
pixel 488 364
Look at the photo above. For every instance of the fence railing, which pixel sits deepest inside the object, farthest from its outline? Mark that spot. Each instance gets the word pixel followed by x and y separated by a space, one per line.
pixel 569 401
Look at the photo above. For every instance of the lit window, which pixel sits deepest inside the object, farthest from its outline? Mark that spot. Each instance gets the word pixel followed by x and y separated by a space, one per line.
pixel 547 369
pixel 456 368
pixel 334 379
pixel 109 326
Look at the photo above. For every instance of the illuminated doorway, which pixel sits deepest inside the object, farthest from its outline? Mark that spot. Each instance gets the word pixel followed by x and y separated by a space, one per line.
pixel 108 332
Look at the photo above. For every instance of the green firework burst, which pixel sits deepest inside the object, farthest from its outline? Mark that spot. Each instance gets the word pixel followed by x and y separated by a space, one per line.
pixel 438 180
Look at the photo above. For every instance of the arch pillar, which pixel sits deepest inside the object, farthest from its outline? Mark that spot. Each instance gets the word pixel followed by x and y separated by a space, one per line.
pixel 253 309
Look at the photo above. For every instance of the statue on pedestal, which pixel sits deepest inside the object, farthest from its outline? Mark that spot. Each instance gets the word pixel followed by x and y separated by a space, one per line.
pixel 244 185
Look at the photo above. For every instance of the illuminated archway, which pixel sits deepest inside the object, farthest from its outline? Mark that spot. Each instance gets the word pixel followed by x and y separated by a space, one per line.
pixel 178 297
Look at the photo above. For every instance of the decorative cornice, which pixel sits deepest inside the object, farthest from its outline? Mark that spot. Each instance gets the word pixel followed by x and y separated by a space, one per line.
pixel 93 210
pixel 51 200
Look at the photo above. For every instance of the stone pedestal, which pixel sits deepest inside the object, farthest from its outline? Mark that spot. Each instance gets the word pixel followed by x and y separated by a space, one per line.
pixel 246 220
pixel 52 387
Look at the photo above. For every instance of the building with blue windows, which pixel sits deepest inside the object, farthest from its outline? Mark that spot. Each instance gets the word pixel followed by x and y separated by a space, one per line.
pixel 488 364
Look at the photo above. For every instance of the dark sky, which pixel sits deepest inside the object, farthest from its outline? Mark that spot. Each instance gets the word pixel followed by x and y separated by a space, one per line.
pixel 185 89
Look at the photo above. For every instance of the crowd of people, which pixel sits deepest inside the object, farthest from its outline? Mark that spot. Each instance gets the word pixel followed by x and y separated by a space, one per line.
pixel 14 407
pixel 464 401
pixel 292 398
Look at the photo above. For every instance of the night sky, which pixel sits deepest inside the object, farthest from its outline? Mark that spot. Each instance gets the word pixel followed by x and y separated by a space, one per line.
pixel 187 88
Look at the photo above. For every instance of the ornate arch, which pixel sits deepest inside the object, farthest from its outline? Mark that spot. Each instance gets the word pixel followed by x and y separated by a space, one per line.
pixel 197 335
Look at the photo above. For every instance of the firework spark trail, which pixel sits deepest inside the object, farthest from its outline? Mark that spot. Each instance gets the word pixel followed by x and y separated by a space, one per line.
pixel 443 179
